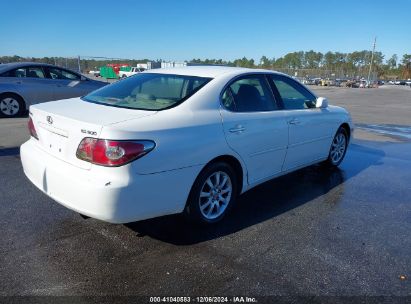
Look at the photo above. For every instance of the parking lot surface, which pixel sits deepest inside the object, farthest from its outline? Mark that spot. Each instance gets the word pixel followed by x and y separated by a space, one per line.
pixel 313 232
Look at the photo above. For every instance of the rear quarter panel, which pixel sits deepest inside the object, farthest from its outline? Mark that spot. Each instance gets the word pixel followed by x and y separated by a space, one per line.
pixel 183 139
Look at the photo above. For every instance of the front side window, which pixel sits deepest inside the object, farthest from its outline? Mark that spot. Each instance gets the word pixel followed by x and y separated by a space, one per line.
pixel 148 91
pixel 293 94
pixel 35 72
pixel 56 73
pixel 249 94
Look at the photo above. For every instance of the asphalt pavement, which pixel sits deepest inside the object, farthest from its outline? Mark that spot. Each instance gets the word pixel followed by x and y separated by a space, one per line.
pixel 341 232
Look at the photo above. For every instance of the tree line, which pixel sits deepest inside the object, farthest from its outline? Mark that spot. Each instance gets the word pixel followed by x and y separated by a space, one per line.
pixel 354 63
pixel 350 64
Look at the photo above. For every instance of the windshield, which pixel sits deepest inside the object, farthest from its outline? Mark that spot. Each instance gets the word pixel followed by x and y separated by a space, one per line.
pixel 148 91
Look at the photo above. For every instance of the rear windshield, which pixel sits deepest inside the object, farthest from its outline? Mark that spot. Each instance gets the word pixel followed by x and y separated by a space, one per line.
pixel 148 91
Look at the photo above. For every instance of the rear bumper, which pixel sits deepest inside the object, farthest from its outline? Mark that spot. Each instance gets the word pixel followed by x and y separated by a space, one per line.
pixel 116 195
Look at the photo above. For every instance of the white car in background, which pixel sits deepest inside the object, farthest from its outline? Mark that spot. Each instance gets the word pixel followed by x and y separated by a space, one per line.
pixel 179 140
pixel 133 71
pixel 95 73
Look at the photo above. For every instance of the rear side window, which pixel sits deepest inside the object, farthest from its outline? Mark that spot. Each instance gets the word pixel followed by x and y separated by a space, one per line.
pixel 148 91
pixel 293 94
pixel 15 73
pixel 35 72
pixel 249 94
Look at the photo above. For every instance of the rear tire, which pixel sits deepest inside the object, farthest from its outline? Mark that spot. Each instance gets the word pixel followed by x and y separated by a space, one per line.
pixel 338 148
pixel 11 105
pixel 213 194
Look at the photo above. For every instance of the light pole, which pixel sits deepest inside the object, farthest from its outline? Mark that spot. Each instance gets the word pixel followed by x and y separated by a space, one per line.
pixel 78 63
pixel 372 59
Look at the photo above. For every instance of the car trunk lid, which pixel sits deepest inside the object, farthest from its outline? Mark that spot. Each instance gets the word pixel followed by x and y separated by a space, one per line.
pixel 61 125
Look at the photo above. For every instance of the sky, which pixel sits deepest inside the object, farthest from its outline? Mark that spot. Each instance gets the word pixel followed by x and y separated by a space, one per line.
pixel 187 29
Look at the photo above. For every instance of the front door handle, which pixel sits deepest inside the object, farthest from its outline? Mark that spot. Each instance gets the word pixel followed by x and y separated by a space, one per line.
pixel 237 129
pixel 294 121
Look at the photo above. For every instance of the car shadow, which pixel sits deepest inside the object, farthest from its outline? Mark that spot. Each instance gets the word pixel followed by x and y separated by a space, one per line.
pixel 266 201
pixel 10 151
pixel 22 115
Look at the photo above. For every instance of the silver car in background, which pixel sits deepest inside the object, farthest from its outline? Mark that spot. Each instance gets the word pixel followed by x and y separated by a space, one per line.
pixel 25 83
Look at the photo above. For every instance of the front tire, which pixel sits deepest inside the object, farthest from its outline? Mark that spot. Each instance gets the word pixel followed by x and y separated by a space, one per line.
pixel 11 105
pixel 338 148
pixel 213 194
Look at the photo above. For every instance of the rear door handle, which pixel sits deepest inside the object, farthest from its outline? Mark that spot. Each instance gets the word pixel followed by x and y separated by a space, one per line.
pixel 237 129
pixel 294 121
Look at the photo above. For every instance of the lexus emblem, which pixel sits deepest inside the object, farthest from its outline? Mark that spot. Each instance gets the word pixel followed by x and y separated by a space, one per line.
pixel 50 120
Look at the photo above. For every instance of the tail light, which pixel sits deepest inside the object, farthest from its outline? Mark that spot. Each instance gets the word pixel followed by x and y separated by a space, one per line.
pixel 112 153
pixel 32 129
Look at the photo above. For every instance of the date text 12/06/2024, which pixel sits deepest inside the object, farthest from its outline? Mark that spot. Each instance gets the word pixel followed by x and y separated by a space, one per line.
pixel 234 299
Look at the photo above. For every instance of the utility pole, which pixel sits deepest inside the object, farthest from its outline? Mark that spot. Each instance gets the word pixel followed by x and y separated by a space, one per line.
pixel 78 63
pixel 372 59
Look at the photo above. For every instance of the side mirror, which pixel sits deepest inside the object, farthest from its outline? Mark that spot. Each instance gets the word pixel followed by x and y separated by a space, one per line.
pixel 83 78
pixel 321 102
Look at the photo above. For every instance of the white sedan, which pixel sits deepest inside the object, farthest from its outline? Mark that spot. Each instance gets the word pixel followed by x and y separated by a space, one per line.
pixel 184 140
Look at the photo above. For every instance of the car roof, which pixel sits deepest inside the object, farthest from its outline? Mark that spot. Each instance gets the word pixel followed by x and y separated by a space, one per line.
pixel 211 71
pixel 16 65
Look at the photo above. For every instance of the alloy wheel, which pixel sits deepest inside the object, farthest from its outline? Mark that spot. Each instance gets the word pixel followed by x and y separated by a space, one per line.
pixel 215 195
pixel 9 106
pixel 338 148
